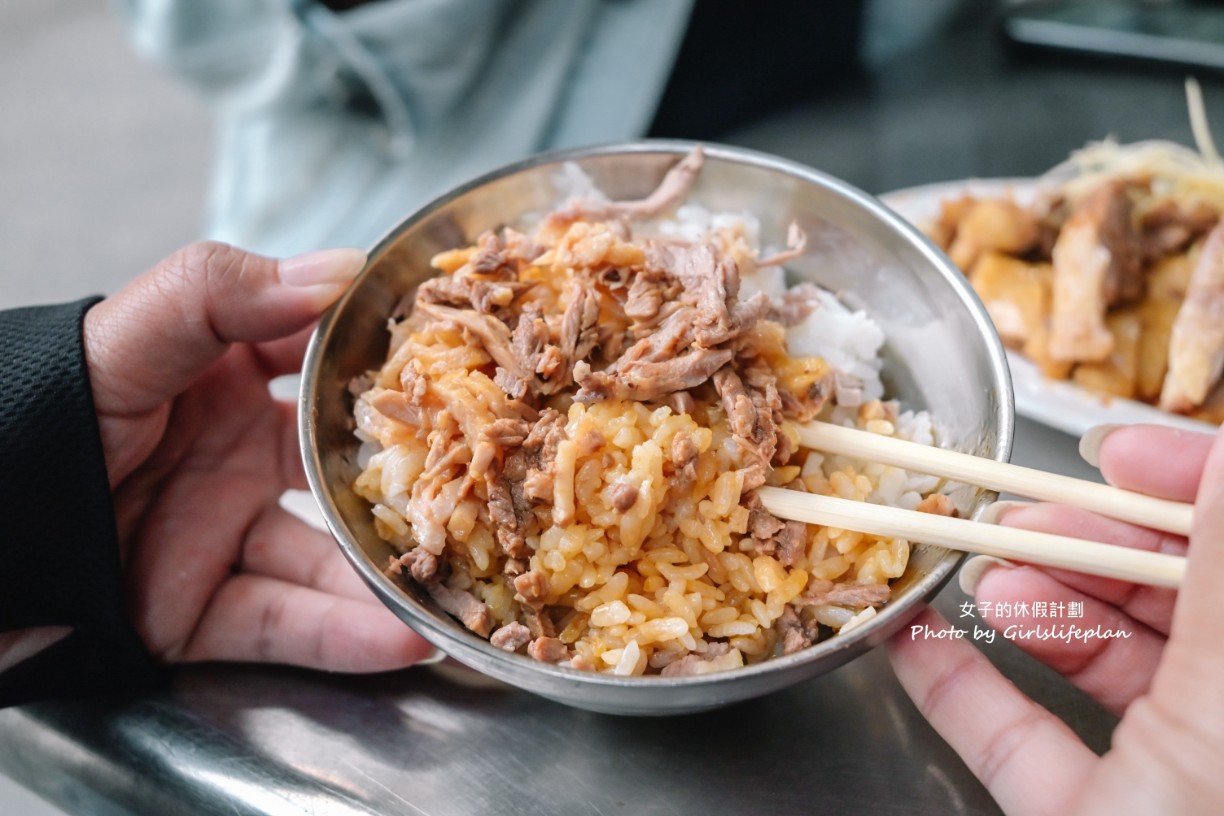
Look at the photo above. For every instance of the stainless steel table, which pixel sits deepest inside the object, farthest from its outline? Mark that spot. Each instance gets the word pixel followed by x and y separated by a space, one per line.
pixel 441 740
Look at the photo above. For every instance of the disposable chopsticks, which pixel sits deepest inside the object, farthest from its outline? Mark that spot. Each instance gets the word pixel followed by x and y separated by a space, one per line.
pixel 1089 557
pixel 1159 514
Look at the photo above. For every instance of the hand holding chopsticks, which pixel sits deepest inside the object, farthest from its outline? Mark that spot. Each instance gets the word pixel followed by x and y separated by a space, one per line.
pixel 1094 558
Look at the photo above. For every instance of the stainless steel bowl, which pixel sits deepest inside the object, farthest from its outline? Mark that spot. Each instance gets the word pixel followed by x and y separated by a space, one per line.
pixel 942 354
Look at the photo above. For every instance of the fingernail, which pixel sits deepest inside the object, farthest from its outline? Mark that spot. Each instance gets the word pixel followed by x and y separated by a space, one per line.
pixel 436 656
pixel 995 512
pixel 971 573
pixel 328 266
pixel 1090 442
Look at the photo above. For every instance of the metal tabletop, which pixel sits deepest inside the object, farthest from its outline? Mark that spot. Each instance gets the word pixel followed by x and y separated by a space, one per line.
pixel 443 740
pixel 440 740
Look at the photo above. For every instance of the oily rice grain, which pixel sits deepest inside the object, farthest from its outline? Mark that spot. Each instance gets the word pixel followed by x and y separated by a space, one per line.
pixel 620 531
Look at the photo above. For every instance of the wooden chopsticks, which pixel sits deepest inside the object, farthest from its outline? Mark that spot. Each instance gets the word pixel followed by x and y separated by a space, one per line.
pixel 1089 557
pixel 1159 514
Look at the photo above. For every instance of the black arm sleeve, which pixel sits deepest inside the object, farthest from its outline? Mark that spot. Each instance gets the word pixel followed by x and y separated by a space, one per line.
pixel 59 550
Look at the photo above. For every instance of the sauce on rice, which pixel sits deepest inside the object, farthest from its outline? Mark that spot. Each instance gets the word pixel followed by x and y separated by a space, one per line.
pixel 567 433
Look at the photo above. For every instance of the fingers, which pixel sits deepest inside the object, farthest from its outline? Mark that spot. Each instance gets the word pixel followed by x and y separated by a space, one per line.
pixel 280 545
pixel 1028 759
pixel 284 356
pixel 1114 669
pixel 1149 605
pixel 292 469
pixel 1198 626
pixel 1101 650
pixel 1177 729
pixel 150 341
pixel 1163 462
pixel 20 644
pixel 255 618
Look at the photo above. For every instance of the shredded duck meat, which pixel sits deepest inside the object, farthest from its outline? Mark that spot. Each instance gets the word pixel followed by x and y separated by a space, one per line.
pixel 557 409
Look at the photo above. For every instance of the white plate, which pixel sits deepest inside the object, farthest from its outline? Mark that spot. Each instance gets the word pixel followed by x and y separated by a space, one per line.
pixel 1056 403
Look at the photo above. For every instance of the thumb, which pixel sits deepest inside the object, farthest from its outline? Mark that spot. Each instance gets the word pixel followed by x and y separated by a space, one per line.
pixel 1198 628
pixel 149 342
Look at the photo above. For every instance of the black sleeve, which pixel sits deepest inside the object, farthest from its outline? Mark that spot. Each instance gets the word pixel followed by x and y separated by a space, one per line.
pixel 59 550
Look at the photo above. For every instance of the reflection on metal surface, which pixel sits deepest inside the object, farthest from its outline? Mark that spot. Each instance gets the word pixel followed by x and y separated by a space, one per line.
pixel 266 741
pixel 444 740
pixel 956 803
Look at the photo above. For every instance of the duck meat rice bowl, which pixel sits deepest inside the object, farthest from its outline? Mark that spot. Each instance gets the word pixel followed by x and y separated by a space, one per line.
pixel 567 434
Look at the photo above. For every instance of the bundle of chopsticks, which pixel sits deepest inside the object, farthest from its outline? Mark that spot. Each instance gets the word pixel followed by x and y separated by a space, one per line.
pixel 1089 557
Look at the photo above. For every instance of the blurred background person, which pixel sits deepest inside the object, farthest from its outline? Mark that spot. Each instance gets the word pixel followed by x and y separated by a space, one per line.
pixel 335 118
